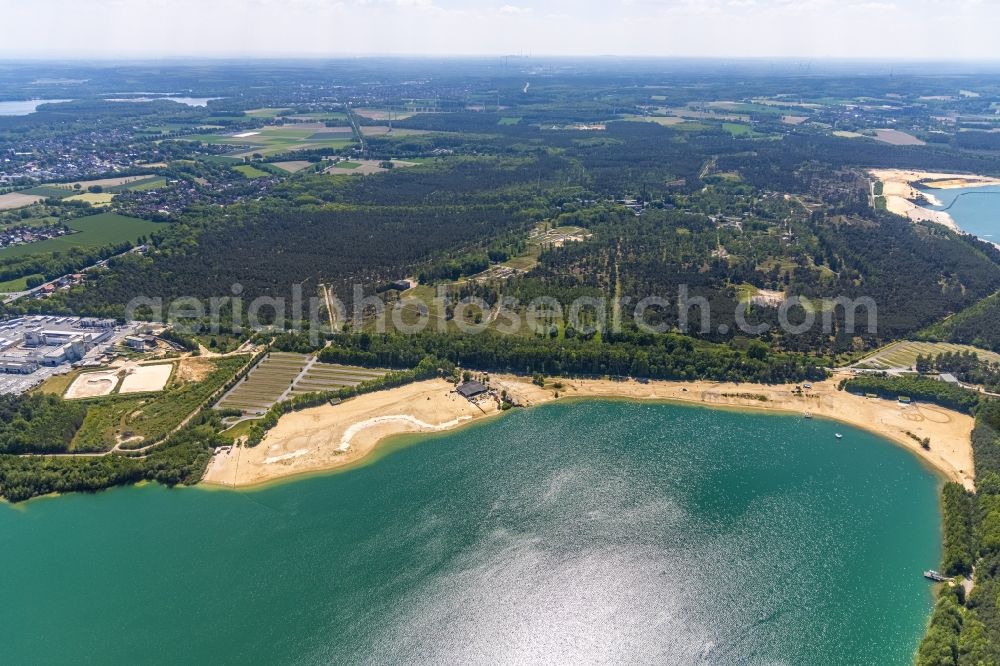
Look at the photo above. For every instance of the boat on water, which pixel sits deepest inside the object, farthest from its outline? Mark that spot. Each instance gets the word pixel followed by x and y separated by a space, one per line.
pixel 839 436
pixel 935 576
pixel 807 415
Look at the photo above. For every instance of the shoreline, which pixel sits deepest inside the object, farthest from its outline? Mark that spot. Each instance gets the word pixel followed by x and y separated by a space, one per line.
pixel 330 438
pixel 900 192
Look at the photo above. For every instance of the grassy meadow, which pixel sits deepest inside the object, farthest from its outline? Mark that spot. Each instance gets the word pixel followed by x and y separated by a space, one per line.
pixel 92 231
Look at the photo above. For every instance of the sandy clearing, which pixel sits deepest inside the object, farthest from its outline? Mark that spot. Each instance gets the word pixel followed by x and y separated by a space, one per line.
pixel 92 385
pixel 365 167
pixel 314 439
pixel 13 200
pixel 382 114
pixel 665 120
pixel 193 369
pixel 934 179
pixel 145 378
pixel 897 138
pixel 293 166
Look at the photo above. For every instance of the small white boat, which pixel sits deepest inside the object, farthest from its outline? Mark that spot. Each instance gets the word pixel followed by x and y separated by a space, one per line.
pixel 839 436
pixel 807 415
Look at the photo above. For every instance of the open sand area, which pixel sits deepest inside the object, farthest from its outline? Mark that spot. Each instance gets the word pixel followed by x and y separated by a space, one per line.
pixel 144 378
pixel 901 194
pixel 92 384
pixel 18 200
pixel 332 436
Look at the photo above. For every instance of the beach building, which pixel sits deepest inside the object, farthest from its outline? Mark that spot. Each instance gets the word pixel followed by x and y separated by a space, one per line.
pixel 471 389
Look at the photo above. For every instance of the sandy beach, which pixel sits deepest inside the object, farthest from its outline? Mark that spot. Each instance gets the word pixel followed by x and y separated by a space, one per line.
pixel 901 194
pixel 332 436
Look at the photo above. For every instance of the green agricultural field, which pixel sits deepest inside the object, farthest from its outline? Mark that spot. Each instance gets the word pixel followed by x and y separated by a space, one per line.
pixel 738 129
pixel 49 191
pixel 509 120
pixel 293 166
pixel 347 165
pixel 17 284
pixel 226 160
pixel 690 126
pixel 151 183
pixel 145 185
pixel 250 171
pixel 331 116
pixel 92 231
pixel 93 198
pixel 270 112
pixel 331 136
pixel 272 140
pixel 57 384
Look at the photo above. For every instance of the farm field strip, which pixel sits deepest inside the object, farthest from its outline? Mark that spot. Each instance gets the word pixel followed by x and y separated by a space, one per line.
pixel 266 383
pixel 285 373
pixel 341 371
pixel 904 354
pixel 18 200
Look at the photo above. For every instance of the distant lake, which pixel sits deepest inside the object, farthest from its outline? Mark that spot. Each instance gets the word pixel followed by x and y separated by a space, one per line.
pixel 976 210
pixel 190 101
pixel 583 532
pixel 25 106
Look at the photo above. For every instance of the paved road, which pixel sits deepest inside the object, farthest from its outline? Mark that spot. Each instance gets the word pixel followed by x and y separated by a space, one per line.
pixel 18 295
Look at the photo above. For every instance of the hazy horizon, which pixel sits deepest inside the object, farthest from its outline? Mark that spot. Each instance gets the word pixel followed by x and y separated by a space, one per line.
pixel 925 30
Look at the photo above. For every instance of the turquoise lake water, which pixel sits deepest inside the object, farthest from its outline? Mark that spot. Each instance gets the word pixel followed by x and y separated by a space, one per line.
pixel 976 210
pixel 581 532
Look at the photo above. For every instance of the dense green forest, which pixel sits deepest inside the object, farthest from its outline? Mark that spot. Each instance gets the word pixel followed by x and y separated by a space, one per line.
pixel 966 366
pixel 38 423
pixel 926 389
pixel 641 355
pixel 978 325
pixel 180 460
pixel 965 630
pixel 717 219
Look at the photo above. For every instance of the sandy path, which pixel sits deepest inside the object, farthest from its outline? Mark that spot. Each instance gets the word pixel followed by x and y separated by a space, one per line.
pixel 328 437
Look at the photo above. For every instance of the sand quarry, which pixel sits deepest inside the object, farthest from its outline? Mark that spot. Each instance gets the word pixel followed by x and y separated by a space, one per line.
pixel 901 195
pixel 145 378
pixel 93 384
pixel 134 378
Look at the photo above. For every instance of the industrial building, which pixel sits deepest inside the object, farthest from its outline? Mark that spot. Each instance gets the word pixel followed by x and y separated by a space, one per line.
pixel 30 343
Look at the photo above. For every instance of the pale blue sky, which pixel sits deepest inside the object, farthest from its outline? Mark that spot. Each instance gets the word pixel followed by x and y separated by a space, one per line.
pixel 924 29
